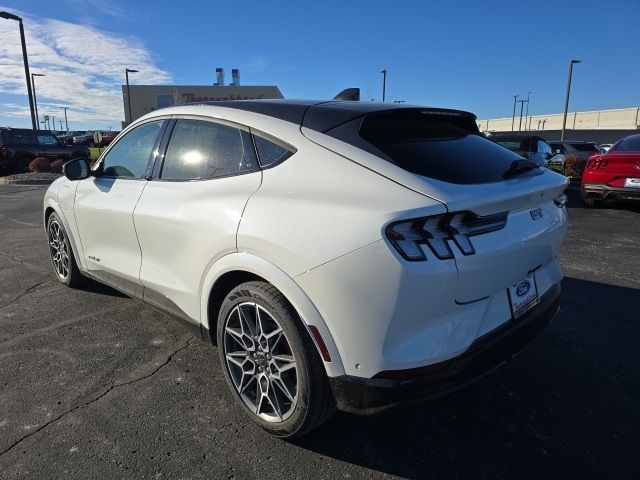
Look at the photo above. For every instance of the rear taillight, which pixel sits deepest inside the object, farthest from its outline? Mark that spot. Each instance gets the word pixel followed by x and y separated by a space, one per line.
pixel 5 152
pixel 410 236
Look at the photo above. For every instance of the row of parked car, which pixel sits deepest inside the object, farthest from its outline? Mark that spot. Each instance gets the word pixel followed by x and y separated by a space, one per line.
pixel 86 138
pixel 18 146
pixel 607 171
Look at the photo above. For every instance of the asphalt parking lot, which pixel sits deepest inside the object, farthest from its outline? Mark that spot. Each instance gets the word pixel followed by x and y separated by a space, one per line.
pixel 96 385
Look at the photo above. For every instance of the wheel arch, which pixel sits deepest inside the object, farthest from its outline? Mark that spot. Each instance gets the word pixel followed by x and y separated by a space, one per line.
pixel 236 268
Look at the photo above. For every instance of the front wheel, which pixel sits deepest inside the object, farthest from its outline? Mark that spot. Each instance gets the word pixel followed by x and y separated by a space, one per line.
pixel 270 362
pixel 62 259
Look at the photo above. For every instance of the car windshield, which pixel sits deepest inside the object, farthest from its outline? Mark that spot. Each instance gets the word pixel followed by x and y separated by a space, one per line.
pixel 629 144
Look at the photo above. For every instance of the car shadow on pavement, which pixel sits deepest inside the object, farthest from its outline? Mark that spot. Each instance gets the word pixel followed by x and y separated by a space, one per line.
pixel 566 406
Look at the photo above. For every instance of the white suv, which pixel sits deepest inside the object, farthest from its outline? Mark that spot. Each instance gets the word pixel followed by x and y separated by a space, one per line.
pixel 340 254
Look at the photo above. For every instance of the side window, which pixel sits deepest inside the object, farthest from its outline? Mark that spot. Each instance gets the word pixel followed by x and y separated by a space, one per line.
pixel 129 157
pixel 200 149
pixel 270 152
pixel 47 139
pixel 543 147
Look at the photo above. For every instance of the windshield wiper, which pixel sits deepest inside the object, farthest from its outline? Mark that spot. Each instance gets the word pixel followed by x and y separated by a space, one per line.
pixel 519 166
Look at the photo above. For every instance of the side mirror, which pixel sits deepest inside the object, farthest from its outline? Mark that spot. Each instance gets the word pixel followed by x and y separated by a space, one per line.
pixel 77 169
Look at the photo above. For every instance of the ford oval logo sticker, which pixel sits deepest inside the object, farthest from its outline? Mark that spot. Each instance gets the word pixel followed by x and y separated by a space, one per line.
pixel 523 288
pixel 536 213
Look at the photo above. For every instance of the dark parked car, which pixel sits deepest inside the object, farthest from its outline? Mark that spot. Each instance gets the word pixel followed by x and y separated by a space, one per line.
pixel 576 154
pixel 18 146
pixel 579 149
pixel 531 147
pixel 86 139
pixel 67 137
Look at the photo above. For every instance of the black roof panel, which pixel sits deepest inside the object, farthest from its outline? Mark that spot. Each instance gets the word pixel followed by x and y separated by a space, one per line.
pixel 323 115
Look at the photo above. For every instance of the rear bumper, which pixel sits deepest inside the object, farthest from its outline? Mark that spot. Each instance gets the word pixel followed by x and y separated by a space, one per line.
pixel 605 191
pixel 368 396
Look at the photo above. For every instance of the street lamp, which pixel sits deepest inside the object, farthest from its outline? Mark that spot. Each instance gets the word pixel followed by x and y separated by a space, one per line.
pixel 35 98
pixel 384 83
pixel 513 119
pixel 526 115
pixel 66 123
pixel 11 16
pixel 566 100
pixel 127 72
pixel 521 102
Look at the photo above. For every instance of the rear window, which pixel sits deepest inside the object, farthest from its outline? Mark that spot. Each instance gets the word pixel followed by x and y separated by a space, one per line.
pixel 585 147
pixel 521 147
pixel 630 144
pixel 438 147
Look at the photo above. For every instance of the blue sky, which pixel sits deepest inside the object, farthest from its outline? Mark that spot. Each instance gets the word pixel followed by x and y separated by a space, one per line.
pixel 467 54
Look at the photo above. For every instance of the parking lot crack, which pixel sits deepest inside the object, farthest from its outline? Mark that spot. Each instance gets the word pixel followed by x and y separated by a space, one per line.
pixel 26 291
pixel 181 346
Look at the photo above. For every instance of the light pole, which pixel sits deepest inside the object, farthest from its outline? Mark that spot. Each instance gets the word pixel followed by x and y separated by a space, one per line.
pixel 384 83
pixel 66 122
pixel 513 119
pixel 54 121
pixel 127 71
pixel 526 114
pixel 521 102
pixel 11 16
pixel 566 100
pixel 35 99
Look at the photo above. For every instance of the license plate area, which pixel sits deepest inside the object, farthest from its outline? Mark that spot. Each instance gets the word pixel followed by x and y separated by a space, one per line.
pixel 523 296
pixel 632 183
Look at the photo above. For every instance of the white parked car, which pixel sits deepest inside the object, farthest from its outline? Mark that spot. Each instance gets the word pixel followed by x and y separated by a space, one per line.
pixel 340 254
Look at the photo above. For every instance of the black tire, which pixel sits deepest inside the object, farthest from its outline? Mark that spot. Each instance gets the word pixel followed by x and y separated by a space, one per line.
pixel 591 201
pixel 73 277
pixel 314 402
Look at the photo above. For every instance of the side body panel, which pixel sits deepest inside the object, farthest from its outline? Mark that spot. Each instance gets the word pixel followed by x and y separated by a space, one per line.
pixel 104 216
pixel 318 205
pixel 184 226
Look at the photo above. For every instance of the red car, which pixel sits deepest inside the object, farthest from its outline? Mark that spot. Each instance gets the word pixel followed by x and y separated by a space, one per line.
pixel 614 174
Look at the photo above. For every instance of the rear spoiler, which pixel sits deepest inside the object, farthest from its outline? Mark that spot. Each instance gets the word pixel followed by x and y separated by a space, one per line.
pixel 349 94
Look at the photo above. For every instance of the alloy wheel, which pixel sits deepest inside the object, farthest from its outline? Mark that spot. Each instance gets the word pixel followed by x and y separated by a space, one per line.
pixel 260 362
pixel 58 249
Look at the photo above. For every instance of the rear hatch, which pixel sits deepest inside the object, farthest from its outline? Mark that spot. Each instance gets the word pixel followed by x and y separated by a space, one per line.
pixel 443 156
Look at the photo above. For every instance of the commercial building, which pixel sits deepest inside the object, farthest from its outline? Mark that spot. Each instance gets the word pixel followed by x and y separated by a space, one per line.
pixel 147 98
pixel 603 126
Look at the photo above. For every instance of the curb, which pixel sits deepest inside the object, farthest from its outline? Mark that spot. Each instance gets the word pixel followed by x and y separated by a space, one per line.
pixel 27 182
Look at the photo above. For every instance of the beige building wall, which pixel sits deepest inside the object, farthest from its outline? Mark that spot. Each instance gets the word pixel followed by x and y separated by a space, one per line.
pixel 147 98
pixel 618 119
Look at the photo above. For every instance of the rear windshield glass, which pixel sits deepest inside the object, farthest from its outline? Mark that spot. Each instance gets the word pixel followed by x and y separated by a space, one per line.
pixel 631 144
pixel 521 147
pixel 439 148
pixel 585 147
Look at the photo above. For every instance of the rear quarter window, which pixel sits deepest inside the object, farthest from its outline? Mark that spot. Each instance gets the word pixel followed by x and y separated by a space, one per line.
pixel 272 151
pixel 438 148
